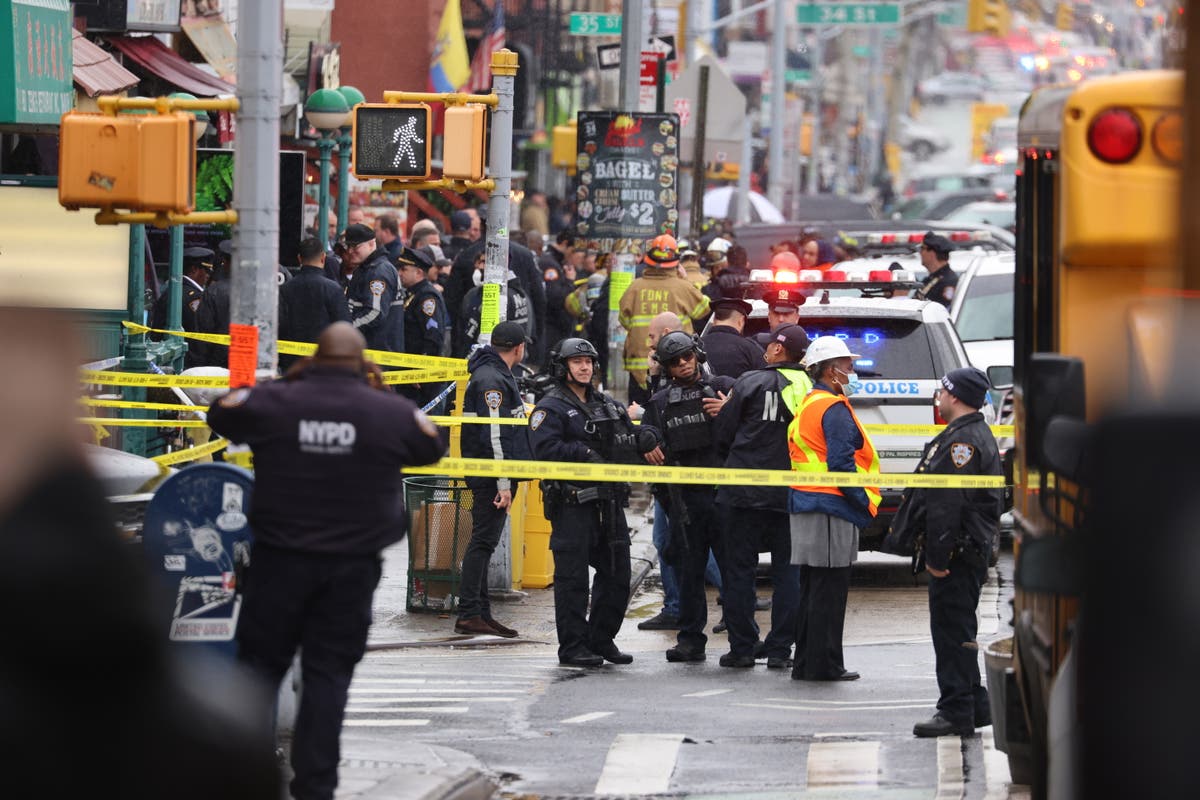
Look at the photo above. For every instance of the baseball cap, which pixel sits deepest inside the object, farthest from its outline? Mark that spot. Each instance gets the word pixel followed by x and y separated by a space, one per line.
pixel 783 299
pixel 968 384
pixel 460 221
pixel 509 334
pixel 793 338
pixel 358 233
pixel 436 255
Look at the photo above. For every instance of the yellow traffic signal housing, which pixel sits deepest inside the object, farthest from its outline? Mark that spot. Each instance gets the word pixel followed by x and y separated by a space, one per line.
pixel 392 140
pixel 988 16
pixel 563 143
pixel 463 141
pixel 806 132
pixel 143 163
pixel 1064 17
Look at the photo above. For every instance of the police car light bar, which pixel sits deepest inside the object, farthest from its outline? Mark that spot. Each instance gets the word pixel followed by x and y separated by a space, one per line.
pixel 916 237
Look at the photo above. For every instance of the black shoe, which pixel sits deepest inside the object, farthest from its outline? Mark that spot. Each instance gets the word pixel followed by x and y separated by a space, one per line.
pixel 583 658
pixel 720 626
pixel 475 626
pixel 731 660
pixel 983 718
pixel 844 675
pixel 762 604
pixel 684 654
pixel 937 725
pixel 610 652
pixel 778 662
pixel 501 630
pixel 662 621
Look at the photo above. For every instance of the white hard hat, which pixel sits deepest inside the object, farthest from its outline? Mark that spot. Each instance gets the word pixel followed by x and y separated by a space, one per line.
pixel 823 348
pixel 720 245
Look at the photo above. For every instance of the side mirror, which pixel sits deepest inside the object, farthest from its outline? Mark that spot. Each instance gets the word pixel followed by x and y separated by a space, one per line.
pixel 1055 388
pixel 1000 377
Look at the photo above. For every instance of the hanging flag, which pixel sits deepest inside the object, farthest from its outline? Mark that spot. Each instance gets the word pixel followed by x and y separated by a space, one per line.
pixel 493 40
pixel 449 68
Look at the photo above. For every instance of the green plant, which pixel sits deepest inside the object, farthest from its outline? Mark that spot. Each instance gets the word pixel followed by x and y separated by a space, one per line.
pixel 214 183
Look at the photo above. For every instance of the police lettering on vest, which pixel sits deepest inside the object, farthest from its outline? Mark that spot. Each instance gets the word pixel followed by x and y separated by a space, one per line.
pixel 685 425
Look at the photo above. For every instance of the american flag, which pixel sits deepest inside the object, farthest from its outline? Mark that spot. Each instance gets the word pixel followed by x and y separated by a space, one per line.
pixel 493 40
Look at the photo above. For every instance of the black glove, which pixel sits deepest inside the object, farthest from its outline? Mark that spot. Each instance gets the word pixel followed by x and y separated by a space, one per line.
pixel 594 458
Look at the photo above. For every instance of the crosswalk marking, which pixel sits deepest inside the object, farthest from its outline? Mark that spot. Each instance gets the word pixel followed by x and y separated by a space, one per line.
pixel 587 717
pixel 639 763
pixel 384 723
pixel 949 768
pixel 381 690
pixel 363 699
pixel 793 707
pixel 995 768
pixel 843 764
pixel 709 693
pixel 353 708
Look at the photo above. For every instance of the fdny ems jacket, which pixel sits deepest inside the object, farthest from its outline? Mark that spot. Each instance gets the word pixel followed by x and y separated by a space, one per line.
pixel 493 392
pixel 372 288
pixel 327 455
pixel 658 290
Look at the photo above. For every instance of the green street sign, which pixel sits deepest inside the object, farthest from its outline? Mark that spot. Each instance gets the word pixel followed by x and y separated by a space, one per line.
pixel 849 14
pixel 595 24
pixel 797 75
pixel 956 17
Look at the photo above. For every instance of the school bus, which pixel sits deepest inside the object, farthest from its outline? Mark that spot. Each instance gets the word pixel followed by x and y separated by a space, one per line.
pixel 1097 265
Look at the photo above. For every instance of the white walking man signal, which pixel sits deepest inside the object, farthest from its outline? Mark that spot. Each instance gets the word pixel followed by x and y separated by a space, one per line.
pixel 404 137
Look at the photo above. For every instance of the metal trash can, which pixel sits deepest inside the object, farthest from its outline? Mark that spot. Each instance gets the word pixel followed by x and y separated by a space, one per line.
pixel 439 529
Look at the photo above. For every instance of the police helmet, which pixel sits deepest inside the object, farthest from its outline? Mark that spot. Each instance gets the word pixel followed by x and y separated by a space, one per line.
pixel 677 343
pixel 568 349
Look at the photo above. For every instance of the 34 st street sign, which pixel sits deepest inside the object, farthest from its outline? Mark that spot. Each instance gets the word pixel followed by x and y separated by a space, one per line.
pixel 849 14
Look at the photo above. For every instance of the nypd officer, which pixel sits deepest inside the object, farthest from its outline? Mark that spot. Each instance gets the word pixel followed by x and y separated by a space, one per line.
pixel 728 353
pixel 372 285
pixel 684 410
pixel 957 527
pixel 783 308
pixel 197 270
pixel 426 321
pixel 752 432
pixel 942 281
pixel 574 422
pixel 327 449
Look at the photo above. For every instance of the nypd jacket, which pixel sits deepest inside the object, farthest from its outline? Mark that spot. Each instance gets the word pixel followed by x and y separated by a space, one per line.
pixel 752 431
pixel 328 450
pixel 308 304
pixel 939 286
pixel 492 392
pixel 372 288
pixel 951 518
pixel 426 323
pixel 730 354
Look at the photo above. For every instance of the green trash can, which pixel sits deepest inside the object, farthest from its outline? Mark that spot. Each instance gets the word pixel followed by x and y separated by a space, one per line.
pixel 439 529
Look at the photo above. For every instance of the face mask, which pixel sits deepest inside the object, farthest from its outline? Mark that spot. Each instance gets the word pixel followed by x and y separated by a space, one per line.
pixel 853 385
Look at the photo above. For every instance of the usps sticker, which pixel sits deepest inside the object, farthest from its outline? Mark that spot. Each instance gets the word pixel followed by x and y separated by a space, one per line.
pixel 536 419
pixel 493 398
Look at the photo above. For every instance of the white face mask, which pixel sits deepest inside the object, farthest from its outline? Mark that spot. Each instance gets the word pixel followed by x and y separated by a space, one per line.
pixel 853 385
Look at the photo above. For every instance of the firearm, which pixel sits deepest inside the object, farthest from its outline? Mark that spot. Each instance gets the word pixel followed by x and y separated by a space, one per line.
pixel 679 519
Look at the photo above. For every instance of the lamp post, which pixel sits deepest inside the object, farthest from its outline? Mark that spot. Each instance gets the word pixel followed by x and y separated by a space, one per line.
pixel 353 97
pixel 178 347
pixel 327 110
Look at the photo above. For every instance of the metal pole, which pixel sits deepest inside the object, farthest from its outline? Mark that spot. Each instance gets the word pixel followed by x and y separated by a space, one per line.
pixel 697 211
pixel 495 270
pixel 778 105
pixel 692 33
pixel 814 157
pixel 133 439
pixel 743 184
pixel 175 295
pixel 631 53
pixel 343 202
pixel 325 146
pixel 256 176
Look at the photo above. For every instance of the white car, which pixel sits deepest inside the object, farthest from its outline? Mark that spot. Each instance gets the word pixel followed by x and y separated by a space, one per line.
pixel 982 309
pixel 984 212
pixel 952 86
pixel 923 141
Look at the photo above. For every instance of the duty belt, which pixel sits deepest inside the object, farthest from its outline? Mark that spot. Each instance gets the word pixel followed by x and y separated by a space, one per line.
pixel 576 495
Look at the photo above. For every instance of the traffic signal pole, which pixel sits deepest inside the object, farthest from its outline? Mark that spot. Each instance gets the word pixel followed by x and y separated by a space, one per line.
pixel 495 270
pixel 256 176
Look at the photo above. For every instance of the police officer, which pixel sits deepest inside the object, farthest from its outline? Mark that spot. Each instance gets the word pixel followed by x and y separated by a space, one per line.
pixel 213 314
pixel 783 308
pixel 683 410
pixel 955 527
pixel 197 270
pixel 310 302
pixel 574 422
pixel 728 353
pixel 751 432
pixel 942 281
pixel 426 321
pixel 328 449
pixel 373 285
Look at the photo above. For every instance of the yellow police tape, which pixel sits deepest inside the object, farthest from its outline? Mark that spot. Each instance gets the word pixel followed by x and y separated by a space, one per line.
pixel 96 402
pixel 392 378
pixel 190 454
pixel 573 471
pixel 144 423
pixel 380 357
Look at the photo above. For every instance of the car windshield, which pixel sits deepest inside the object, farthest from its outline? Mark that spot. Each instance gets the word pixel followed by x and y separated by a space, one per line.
pixel 987 310
pixel 888 348
pixel 1003 216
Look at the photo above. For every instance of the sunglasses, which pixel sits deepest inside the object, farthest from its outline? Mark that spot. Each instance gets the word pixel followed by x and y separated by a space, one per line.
pixel 677 360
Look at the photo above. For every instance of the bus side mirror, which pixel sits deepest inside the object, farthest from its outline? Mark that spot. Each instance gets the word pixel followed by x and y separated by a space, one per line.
pixel 1000 377
pixel 1055 388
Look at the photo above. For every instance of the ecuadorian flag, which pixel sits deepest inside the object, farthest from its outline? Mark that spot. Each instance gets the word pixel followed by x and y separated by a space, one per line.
pixel 450 68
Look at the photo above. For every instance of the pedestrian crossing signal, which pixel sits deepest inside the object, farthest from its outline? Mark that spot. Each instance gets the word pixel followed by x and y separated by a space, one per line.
pixel 392 140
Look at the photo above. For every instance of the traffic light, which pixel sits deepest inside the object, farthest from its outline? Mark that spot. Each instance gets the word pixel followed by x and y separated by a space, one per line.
pixel 563 143
pixel 1064 17
pixel 988 16
pixel 462 142
pixel 127 161
pixel 391 140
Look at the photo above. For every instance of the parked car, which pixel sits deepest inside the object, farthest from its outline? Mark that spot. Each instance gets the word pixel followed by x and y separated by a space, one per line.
pixel 951 86
pixel 1002 214
pixel 939 205
pixel 922 141
pixel 948 180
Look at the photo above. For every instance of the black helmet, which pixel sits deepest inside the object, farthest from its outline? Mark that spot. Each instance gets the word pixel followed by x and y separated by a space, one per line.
pixel 677 343
pixel 568 349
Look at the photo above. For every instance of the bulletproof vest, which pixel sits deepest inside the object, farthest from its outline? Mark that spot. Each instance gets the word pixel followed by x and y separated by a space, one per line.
pixel 607 429
pixel 685 425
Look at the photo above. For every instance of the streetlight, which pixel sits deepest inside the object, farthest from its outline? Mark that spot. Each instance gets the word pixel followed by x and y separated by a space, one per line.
pixel 327 110
pixel 353 97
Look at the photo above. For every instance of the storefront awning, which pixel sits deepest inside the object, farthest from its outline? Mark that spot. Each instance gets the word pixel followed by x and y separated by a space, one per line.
pixel 212 38
pixel 95 71
pixel 156 57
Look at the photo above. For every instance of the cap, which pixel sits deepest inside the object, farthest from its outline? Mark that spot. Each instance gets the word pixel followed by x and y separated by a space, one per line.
pixel 460 221
pixel 226 247
pixel 937 243
pixel 509 334
pixel 719 245
pixel 358 233
pixel 782 300
pixel 824 348
pixel 736 303
pixel 199 256
pixel 414 258
pixel 436 254
pixel 968 384
pixel 792 337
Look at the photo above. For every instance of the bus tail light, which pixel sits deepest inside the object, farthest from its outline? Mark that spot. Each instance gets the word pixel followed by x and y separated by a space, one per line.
pixel 1167 137
pixel 1115 136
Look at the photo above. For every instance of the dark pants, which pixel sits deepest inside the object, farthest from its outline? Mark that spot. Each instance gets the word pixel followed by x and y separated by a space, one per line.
pixel 578 540
pixel 703 532
pixel 952 603
pixel 820 617
pixel 487 524
pixel 320 603
pixel 748 532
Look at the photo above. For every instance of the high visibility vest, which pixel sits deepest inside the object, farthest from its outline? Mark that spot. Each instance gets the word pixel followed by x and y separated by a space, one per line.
pixel 807 449
pixel 799 385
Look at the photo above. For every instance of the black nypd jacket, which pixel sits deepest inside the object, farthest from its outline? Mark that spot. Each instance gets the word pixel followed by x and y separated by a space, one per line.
pixel 492 392
pixel 730 354
pixel 372 288
pixel 328 450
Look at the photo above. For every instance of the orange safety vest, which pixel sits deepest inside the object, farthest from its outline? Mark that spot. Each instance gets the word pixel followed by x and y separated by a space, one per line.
pixel 806 444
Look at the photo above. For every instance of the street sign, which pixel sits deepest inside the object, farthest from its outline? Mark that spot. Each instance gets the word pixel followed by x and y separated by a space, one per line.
pixel 391 140
pixel 584 24
pixel 648 82
pixel 954 17
pixel 849 14
pixel 609 56
pixel 725 116
pixel 797 75
pixel 663 44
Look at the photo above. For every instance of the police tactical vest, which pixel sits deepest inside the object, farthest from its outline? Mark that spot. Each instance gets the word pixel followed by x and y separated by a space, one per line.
pixel 685 425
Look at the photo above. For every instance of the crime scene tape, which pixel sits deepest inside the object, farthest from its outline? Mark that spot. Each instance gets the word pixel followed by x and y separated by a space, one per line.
pixel 101 403
pixel 392 378
pixel 406 376
pixel 565 470
pixel 116 422
pixel 931 430
pixel 190 454
pixel 380 357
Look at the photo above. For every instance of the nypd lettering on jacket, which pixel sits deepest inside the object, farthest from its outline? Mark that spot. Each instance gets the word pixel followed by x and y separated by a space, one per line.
pixel 329 438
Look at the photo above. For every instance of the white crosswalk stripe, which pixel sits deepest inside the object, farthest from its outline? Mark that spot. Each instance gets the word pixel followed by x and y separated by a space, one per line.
pixel 844 765
pixel 640 763
pixel 950 768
